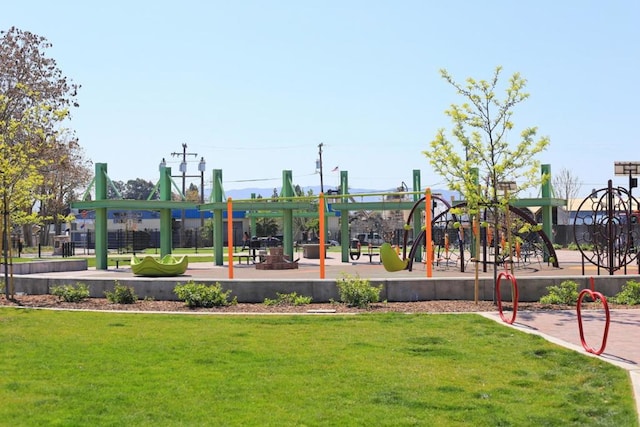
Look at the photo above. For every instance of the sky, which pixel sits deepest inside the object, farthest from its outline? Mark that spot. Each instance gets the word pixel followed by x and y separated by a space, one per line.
pixel 254 87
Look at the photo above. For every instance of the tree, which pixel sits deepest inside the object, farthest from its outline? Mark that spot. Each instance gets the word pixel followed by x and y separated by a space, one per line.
pixel 66 172
pixel 482 131
pixel 193 193
pixel 138 189
pixel 565 185
pixel 35 99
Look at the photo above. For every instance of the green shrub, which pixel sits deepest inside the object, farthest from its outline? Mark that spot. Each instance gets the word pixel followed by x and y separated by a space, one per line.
pixel 357 292
pixel 201 295
pixel 565 293
pixel 71 293
pixel 629 295
pixel 121 295
pixel 288 300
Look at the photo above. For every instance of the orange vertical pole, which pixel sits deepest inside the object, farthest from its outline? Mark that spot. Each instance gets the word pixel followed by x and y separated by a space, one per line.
pixel 428 238
pixel 230 235
pixel 321 226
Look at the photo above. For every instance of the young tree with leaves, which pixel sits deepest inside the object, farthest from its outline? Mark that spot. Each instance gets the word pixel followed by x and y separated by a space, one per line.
pixel 483 151
pixel 483 139
pixel 35 99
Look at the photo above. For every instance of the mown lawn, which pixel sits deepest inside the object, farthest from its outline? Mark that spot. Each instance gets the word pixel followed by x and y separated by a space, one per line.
pixel 82 368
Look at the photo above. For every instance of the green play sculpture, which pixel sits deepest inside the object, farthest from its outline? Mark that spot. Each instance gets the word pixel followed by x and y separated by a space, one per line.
pixel 168 265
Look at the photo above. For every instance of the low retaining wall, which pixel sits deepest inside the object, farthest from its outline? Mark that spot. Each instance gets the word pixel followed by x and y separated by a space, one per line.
pixel 53 266
pixel 530 289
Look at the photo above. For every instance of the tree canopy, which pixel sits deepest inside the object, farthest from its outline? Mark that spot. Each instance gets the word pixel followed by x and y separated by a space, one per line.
pixel 483 140
pixel 35 103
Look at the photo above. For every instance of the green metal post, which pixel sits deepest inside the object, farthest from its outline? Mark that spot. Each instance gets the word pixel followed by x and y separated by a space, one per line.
pixel 417 218
pixel 287 214
pixel 344 216
pixel 547 209
pixel 166 229
pixel 218 240
pixel 101 217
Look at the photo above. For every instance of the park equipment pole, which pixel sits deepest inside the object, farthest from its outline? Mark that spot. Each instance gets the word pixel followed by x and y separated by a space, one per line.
pixel 417 227
pixel 427 228
pixel 322 229
pixel 101 217
pixel 218 240
pixel 166 231
pixel 230 236
pixel 547 209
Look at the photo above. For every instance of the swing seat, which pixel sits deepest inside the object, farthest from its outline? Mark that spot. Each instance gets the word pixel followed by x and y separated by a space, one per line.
pixel 391 260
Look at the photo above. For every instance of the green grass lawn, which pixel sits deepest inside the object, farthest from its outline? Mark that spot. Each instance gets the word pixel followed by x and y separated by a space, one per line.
pixel 81 368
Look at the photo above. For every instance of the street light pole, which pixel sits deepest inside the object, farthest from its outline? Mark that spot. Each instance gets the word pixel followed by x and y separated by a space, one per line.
pixel 183 170
pixel 202 167
pixel 319 166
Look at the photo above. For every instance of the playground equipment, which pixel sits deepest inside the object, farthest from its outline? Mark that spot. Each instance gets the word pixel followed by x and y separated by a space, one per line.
pixel 514 295
pixel 390 259
pixel 595 296
pixel 609 240
pixel 167 266
pixel 287 204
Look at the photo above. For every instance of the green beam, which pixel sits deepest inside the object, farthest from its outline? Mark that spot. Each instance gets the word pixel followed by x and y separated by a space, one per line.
pixel 547 210
pixel 287 214
pixel 417 219
pixel 542 202
pixel 166 229
pixel 101 217
pixel 300 214
pixel 344 218
pixel 371 206
pixel 218 241
pixel 259 206
pixel 149 205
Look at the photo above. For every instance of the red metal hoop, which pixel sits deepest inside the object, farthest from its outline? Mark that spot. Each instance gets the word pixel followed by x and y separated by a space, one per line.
pixel 593 295
pixel 514 294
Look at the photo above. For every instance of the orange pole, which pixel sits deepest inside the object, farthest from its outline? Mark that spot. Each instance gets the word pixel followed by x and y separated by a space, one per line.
pixel 230 235
pixel 428 237
pixel 321 226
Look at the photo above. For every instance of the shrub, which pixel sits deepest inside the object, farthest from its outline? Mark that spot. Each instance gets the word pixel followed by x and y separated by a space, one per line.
pixel 357 292
pixel 288 299
pixel 565 293
pixel 629 295
pixel 201 295
pixel 71 293
pixel 121 295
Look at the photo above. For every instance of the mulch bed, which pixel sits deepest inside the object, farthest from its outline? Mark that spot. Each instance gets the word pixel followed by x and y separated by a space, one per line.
pixel 53 302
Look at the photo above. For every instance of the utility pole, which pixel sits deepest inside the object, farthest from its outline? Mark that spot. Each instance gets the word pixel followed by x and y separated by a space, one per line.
pixel 183 170
pixel 320 166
